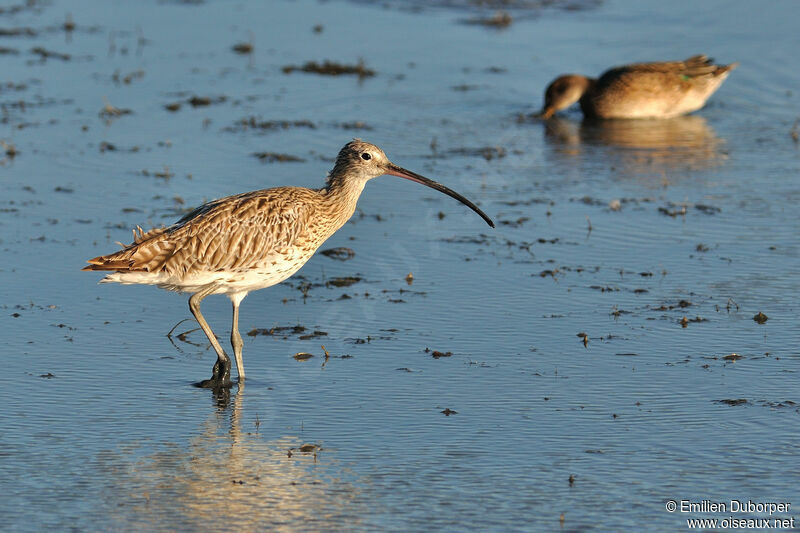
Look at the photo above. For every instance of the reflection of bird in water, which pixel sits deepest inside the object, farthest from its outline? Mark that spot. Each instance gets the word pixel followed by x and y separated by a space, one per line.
pixel 641 90
pixel 251 241
pixel 229 477
pixel 641 146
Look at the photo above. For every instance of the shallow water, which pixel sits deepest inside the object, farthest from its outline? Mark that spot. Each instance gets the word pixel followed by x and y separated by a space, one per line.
pixel 102 429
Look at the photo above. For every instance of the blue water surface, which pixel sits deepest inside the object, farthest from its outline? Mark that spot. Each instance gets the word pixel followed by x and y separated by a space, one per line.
pixel 610 233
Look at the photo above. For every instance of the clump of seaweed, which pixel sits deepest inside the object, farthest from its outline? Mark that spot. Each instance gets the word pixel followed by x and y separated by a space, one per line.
pixel 331 68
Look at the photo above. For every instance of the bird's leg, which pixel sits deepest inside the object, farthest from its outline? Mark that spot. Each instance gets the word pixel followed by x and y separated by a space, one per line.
pixel 236 337
pixel 221 376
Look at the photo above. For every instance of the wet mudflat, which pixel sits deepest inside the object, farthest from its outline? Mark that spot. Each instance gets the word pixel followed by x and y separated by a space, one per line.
pixel 627 335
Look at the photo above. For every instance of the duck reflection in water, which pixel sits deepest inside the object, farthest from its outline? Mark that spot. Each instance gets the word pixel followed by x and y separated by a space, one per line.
pixel 232 476
pixel 639 147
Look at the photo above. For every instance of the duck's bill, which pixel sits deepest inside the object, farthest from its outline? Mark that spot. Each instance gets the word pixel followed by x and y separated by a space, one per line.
pixel 546 113
pixel 400 172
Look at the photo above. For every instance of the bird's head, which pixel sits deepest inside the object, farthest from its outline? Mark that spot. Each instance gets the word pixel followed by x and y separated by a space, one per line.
pixel 362 161
pixel 563 92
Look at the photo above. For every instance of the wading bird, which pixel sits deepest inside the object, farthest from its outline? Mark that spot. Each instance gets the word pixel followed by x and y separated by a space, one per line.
pixel 250 241
pixel 641 90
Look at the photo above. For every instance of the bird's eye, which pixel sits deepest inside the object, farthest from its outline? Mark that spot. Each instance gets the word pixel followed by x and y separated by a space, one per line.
pixel 365 156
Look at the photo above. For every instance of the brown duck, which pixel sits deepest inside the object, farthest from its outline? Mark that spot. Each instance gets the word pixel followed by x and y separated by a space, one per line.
pixel 641 90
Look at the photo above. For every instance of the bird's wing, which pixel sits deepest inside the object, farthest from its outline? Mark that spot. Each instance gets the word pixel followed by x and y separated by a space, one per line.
pixel 693 67
pixel 232 233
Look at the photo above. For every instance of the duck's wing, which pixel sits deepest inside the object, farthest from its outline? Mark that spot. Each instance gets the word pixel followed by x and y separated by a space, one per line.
pixel 698 66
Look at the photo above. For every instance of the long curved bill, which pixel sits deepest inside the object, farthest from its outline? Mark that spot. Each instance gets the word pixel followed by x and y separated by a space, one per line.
pixel 400 172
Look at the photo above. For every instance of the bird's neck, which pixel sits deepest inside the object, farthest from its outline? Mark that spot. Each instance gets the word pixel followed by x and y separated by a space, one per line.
pixel 587 86
pixel 341 195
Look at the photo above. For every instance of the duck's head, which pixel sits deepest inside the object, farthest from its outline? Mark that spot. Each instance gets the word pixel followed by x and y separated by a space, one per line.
pixel 563 92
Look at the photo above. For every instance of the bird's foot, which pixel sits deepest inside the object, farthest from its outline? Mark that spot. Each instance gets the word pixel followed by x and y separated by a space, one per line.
pixel 220 377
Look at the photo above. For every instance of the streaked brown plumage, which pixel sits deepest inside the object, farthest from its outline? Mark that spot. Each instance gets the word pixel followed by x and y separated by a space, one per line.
pixel 250 241
pixel 641 90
